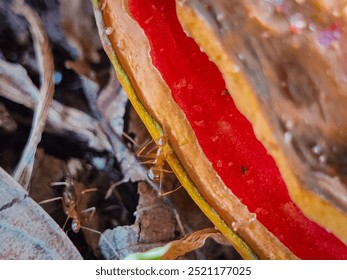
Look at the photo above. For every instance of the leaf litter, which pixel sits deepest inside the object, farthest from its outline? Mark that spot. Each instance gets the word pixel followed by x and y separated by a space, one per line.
pixel 88 133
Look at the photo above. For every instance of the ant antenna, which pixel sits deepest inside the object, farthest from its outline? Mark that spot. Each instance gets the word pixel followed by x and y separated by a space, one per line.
pixel 103 237
pixel 113 186
pixel 130 139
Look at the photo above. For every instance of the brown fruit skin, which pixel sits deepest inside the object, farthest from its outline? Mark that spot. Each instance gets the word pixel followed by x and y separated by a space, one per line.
pixel 286 81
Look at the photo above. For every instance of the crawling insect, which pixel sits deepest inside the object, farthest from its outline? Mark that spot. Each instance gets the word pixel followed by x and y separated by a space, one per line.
pixel 156 156
pixel 71 204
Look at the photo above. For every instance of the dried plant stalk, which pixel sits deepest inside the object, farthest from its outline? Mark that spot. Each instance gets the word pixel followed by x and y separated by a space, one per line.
pixel 44 58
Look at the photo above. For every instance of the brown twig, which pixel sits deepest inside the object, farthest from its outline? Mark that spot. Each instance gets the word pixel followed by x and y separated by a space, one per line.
pixel 45 62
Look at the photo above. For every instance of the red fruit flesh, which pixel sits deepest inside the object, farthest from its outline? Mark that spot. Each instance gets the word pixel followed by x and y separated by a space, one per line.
pixel 226 136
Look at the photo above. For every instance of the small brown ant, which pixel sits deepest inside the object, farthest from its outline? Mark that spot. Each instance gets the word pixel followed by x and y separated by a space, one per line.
pixel 71 204
pixel 157 157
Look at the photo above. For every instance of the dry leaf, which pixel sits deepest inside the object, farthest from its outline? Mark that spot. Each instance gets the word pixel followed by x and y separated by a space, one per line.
pixel 192 242
pixel 16 86
pixel 81 33
pixel 41 238
pixel 111 103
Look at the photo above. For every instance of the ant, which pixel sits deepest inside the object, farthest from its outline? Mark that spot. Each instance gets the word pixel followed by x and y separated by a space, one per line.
pixel 157 157
pixel 71 204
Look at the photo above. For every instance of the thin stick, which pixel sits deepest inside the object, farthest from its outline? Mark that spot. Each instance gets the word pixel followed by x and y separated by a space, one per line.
pixel 179 223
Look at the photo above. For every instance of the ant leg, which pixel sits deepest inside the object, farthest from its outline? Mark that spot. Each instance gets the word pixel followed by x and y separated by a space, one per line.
pixel 147 162
pixel 88 191
pixel 90 210
pixel 169 192
pixel 149 152
pixel 67 219
pixel 148 156
pixel 55 184
pixel 131 140
pixel 103 237
pixel 167 171
pixel 139 153
pixel 163 170
pixel 160 186
pixel 154 176
pixel 79 198
pixel 50 200
pixel 160 181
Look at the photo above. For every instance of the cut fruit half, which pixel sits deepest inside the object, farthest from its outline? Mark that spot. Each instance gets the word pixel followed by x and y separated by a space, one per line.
pixel 178 92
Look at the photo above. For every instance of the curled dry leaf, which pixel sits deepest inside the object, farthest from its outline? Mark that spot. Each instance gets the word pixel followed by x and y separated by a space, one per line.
pixel 178 248
pixel 191 242
pixel 41 238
